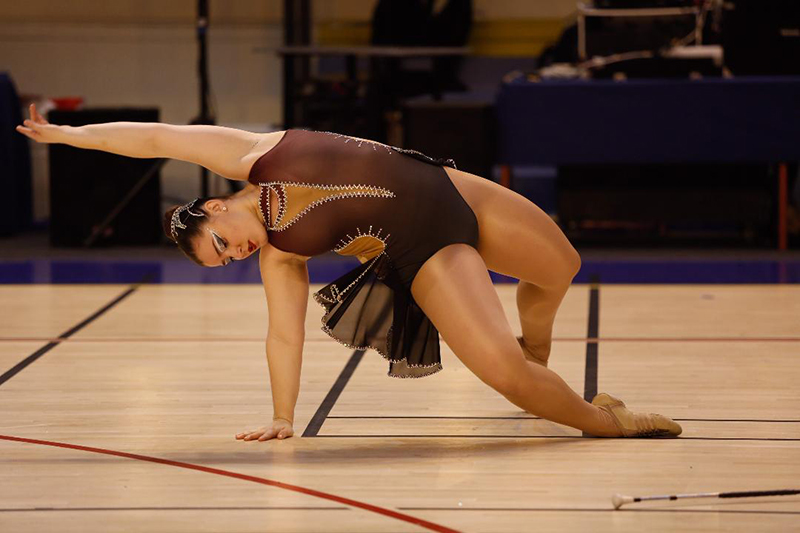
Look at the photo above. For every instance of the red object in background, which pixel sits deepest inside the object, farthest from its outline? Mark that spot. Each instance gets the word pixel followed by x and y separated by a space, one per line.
pixel 68 103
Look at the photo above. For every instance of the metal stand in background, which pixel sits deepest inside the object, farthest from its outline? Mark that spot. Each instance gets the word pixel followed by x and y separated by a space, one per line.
pixel 205 116
pixel 296 32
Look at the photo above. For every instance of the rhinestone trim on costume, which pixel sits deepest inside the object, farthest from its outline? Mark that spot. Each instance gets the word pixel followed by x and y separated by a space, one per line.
pixel 339 294
pixel 358 141
pixel 322 300
pixel 283 200
pixel 349 191
pixel 391 149
pixel 264 206
pixel 428 159
pixel 345 243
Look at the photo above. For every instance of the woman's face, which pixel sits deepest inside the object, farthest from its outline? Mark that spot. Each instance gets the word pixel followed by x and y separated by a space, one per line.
pixel 228 235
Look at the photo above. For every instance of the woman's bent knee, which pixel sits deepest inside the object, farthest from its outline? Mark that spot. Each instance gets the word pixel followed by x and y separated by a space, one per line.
pixel 575 263
pixel 562 269
pixel 571 264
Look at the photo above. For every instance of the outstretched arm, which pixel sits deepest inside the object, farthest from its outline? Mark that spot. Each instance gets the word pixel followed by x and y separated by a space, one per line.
pixel 219 149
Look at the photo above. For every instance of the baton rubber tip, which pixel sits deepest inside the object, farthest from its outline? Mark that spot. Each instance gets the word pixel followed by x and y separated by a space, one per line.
pixel 619 500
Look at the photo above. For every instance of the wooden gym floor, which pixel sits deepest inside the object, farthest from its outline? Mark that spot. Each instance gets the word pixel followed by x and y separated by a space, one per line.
pixel 119 405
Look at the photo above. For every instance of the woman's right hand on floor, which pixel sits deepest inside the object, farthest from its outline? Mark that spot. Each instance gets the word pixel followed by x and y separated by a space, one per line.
pixel 280 428
pixel 38 129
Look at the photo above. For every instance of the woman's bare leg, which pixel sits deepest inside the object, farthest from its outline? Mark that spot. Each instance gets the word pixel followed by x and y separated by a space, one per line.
pixel 454 290
pixel 518 239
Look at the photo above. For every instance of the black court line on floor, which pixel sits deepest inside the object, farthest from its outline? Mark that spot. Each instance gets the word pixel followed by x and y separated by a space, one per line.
pixel 330 399
pixel 589 510
pixel 593 331
pixel 418 436
pixel 592 348
pixel 313 427
pixel 434 417
pixel 67 509
pixel 19 367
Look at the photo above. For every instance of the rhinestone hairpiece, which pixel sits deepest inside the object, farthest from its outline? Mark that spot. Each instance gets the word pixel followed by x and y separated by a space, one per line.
pixel 176 223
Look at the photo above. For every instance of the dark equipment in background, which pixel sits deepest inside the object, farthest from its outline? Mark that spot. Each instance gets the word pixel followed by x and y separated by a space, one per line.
pixel 692 204
pixel 619 34
pixel 646 40
pixel 761 37
pixel 88 185
pixel 15 175
pixel 758 37
pixel 659 68
pixel 461 131
pixel 413 23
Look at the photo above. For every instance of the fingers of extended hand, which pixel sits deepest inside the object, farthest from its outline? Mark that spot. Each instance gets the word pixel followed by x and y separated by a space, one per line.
pixel 27 131
pixel 31 127
pixel 284 433
pixel 253 435
pixel 243 434
pixel 35 116
pixel 271 434
pixel 266 433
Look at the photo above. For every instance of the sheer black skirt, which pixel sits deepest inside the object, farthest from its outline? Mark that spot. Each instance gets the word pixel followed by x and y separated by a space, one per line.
pixel 371 307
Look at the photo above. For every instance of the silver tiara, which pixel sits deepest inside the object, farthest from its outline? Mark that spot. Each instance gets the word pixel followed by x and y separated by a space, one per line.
pixel 176 223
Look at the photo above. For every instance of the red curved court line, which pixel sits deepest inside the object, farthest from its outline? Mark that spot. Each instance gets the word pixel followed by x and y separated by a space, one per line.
pixel 294 488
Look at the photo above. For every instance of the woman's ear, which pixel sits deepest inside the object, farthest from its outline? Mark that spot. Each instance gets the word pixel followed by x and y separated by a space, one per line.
pixel 215 206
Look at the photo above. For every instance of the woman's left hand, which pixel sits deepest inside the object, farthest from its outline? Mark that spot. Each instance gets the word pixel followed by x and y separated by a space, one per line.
pixel 280 429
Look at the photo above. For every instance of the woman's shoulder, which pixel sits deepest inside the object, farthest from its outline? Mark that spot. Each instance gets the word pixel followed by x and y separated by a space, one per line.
pixel 267 142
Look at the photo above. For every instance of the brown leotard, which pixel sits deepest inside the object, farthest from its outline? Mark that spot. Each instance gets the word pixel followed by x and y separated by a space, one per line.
pixel 389 207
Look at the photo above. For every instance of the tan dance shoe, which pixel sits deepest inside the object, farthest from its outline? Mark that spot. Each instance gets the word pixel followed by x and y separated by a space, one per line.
pixel 636 424
pixel 529 356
